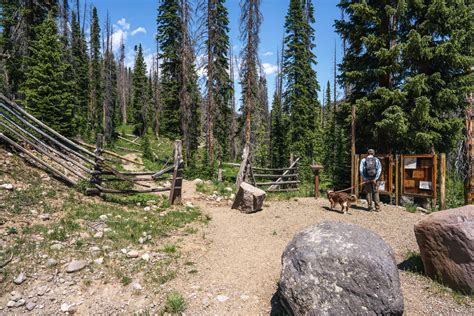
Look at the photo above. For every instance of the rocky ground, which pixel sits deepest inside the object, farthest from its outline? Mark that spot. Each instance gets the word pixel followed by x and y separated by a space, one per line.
pixel 65 253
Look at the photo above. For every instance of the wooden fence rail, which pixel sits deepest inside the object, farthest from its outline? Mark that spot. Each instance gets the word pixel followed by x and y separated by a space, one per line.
pixel 71 162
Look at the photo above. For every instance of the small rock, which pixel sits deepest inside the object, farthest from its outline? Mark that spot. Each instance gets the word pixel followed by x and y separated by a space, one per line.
pixel 42 290
pixel 30 306
pixel 244 297
pixel 124 251
pixel 189 204
pixel 34 212
pixel 20 302
pixel 147 208
pixel 198 181
pixel 232 196
pixel 7 186
pixel 219 199
pixel 15 296
pixel 99 261
pixel 137 286
pixel 222 298
pixel 141 240
pixel 107 230
pixel 11 304
pixel 94 249
pixel 56 247
pixel 422 210
pixel 51 262
pixel 150 202
pixel 45 216
pixel 76 265
pixel 99 235
pixel 228 189
pixel 103 217
pixel 132 254
pixel 20 279
pixel 146 257
pixel 68 308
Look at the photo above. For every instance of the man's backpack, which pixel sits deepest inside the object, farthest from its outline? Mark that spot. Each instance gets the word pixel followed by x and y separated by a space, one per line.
pixel 370 167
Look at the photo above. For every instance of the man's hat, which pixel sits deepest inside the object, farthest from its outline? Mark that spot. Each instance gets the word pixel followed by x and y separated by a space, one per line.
pixel 371 152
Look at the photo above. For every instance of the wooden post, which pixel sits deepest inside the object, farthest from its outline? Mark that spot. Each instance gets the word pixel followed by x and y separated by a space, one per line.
pixel 96 175
pixel 397 174
pixel 357 176
pixel 435 181
pixel 316 169
pixel 442 182
pixel 177 185
pixel 353 147
pixel 242 175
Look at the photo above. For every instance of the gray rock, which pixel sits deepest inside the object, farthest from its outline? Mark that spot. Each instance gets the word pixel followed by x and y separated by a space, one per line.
pixel 222 298
pixel 56 247
pixel 15 296
pixel 99 234
pixel 44 216
pixel 20 279
pixel 132 254
pixel 30 306
pixel 249 199
pixel 68 308
pixel 11 304
pixel 446 241
pixel 20 302
pixel 76 265
pixel 7 186
pixel 340 269
pixel 51 262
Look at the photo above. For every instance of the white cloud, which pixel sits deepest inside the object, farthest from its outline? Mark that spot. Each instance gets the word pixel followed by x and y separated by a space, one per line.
pixel 122 23
pixel 117 37
pixel 139 30
pixel 269 69
pixel 267 54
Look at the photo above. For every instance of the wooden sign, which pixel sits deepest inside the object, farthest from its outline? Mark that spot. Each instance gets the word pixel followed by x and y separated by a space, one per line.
pixel 419 175
pixel 386 177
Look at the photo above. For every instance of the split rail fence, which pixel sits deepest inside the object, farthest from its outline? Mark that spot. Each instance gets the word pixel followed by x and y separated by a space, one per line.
pixel 73 163
pixel 267 179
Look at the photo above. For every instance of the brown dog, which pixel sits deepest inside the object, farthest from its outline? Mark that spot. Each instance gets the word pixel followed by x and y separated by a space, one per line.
pixel 342 198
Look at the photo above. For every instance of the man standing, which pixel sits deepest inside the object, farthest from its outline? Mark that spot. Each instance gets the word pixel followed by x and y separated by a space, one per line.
pixel 370 169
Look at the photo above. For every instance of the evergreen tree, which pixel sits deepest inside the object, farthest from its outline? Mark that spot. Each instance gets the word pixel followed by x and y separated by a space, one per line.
pixel 278 134
pixel 95 75
pixel 330 132
pixel 49 95
pixel 169 39
pixel 80 66
pixel 140 100
pixel 219 84
pixel 437 52
pixel 110 94
pixel 300 96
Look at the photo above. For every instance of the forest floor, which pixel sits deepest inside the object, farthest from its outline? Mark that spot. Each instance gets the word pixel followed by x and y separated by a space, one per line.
pixel 221 262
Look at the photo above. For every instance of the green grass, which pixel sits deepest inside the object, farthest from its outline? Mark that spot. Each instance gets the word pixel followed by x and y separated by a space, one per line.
pixel 170 248
pixel 221 188
pixel 410 207
pixel 175 303
pixel 126 280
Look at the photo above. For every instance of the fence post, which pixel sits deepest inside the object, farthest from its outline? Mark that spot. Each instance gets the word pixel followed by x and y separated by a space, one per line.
pixel 176 187
pixel 97 172
pixel 242 175
pixel 435 181
pixel 356 175
pixel 442 182
pixel 397 180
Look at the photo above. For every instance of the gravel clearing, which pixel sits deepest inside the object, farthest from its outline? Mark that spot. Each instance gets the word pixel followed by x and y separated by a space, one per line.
pixel 241 257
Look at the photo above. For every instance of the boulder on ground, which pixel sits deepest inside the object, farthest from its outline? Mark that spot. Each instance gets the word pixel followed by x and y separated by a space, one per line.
pixel 249 199
pixel 446 241
pixel 337 268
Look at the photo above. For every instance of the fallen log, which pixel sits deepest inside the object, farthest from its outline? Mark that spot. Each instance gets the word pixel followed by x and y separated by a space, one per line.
pixel 106 190
pixel 111 153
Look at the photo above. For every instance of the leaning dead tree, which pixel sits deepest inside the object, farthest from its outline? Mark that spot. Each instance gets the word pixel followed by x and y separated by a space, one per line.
pixel 72 162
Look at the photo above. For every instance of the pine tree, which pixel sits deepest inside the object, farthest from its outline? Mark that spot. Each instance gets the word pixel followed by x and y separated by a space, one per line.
pixel 218 85
pixel 109 75
pixel 80 66
pixel 437 52
pixel 139 86
pixel 300 96
pixel 122 83
pixel 169 39
pixel 329 155
pixel 48 94
pixel 95 75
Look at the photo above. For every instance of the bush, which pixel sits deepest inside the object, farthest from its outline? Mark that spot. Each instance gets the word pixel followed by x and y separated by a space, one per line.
pixel 175 303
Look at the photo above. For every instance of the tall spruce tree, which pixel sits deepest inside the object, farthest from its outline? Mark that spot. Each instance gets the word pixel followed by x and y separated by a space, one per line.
pixel 95 75
pixel 219 84
pixel 169 39
pixel 140 99
pixel 80 66
pixel 109 103
pixel 49 95
pixel 437 52
pixel 300 95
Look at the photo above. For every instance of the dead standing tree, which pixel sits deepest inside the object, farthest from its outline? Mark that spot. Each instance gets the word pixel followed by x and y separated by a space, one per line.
pixel 250 21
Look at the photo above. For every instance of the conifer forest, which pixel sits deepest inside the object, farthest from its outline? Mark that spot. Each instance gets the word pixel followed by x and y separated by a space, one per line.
pixel 165 157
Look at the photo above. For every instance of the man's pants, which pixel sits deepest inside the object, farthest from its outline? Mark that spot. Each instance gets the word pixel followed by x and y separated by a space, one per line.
pixel 372 192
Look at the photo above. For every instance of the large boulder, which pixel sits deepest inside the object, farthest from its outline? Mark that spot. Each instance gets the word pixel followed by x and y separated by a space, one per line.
pixel 446 241
pixel 336 268
pixel 249 199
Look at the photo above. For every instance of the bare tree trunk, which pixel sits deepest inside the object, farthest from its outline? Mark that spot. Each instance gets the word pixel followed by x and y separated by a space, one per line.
pixel 108 99
pixel 210 88
pixel 185 98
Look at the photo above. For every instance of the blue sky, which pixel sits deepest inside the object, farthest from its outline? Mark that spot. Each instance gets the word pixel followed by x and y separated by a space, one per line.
pixel 135 20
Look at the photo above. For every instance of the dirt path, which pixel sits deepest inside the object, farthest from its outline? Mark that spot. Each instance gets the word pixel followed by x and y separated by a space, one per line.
pixel 237 265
